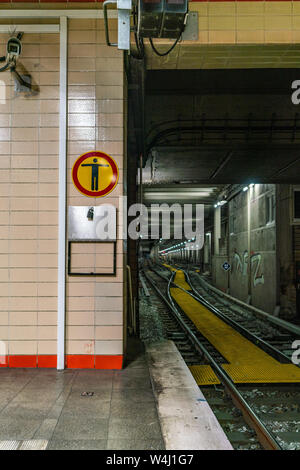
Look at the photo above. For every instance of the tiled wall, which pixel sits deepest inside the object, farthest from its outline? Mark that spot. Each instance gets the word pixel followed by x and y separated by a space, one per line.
pixel 29 201
pixel 248 21
pixel 28 220
pixel 240 34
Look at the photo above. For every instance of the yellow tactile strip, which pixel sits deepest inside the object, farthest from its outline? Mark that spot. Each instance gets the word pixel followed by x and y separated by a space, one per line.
pixel 204 375
pixel 169 267
pixel 179 278
pixel 247 362
pixel 266 372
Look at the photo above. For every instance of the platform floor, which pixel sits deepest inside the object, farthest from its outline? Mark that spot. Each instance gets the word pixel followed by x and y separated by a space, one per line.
pixel 44 409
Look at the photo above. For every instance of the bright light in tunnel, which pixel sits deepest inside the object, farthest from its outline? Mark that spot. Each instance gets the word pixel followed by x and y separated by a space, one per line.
pixel 172 195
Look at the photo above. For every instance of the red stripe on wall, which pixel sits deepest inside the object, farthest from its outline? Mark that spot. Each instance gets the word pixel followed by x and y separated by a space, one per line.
pixel 3 361
pixel 22 361
pixel 108 362
pixel 72 361
pixel 76 361
pixel 47 361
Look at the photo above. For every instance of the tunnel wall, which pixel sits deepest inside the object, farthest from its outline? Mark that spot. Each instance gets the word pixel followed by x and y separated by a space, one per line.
pixel 257 278
pixel 286 250
pixel 29 188
pixel 268 280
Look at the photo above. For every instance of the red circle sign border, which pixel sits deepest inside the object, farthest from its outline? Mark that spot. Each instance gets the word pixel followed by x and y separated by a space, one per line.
pixel 105 191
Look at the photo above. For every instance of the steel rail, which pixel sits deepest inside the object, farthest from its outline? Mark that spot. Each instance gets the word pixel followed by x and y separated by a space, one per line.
pixel 248 334
pixel 256 311
pixel 265 437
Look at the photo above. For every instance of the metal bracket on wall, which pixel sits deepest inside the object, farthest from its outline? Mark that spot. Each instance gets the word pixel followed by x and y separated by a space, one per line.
pixel 124 10
pixel 191 30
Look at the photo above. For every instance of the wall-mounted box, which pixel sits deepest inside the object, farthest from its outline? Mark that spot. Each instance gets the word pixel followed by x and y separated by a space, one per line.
pixel 92 240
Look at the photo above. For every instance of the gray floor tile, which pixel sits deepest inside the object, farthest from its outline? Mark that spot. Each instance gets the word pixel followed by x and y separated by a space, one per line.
pixel 67 373
pixel 48 388
pixel 26 410
pixel 125 383
pixel 133 395
pixel 92 384
pixel 136 363
pixel 18 428
pixel 128 444
pixel 46 429
pixel 80 428
pixel 7 395
pixel 55 412
pixel 99 394
pixel 3 403
pixel 97 444
pixel 17 380
pixel 24 372
pixel 95 373
pixel 11 387
pixel 137 373
pixel 89 406
pixel 134 428
pixel 37 396
pixel 125 409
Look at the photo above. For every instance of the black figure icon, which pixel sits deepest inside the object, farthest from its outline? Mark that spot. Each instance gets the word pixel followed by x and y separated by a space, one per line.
pixel 95 173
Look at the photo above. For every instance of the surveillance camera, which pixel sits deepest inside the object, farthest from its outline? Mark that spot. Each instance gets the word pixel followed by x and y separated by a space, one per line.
pixel 14 48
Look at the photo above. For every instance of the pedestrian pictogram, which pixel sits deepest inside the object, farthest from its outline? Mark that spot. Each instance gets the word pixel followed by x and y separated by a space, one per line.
pixel 95 174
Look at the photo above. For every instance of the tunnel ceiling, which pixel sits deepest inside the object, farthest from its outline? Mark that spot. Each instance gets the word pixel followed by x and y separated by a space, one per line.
pixel 222 56
pixel 218 81
pixel 221 126
pixel 223 164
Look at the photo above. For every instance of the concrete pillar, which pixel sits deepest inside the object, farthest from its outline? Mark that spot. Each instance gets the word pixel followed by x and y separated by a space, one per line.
pixel 249 192
pixel 217 229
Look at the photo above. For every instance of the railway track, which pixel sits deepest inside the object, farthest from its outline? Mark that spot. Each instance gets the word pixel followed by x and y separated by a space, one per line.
pixel 277 340
pixel 253 417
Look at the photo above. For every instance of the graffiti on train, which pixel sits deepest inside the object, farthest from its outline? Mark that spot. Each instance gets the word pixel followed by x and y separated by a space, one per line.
pixel 240 263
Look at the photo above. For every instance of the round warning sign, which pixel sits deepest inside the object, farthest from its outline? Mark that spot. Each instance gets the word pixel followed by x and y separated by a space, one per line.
pixel 95 174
